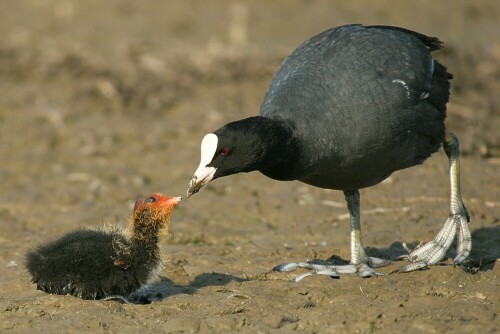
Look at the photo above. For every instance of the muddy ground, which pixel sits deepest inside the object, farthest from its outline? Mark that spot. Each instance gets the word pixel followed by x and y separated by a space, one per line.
pixel 102 102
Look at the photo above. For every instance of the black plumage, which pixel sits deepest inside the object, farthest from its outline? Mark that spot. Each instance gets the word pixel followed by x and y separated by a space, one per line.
pixel 344 110
pixel 95 264
pixel 341 83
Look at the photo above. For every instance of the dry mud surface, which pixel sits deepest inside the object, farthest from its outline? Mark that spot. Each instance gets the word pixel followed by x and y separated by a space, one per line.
pixel 104 101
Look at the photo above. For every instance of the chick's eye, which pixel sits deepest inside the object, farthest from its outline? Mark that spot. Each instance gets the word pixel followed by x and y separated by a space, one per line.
pixel 224 151
pixel 151 199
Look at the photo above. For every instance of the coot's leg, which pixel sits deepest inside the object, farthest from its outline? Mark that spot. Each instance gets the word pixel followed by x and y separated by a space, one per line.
pixel 358 256
pixel 456 224
pixel 360 262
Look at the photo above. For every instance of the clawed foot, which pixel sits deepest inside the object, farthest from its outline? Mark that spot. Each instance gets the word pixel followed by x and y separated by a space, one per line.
pixel 334 270
pixel 434 251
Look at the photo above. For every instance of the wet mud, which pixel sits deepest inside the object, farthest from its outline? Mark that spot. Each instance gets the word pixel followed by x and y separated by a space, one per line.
pixel 104 102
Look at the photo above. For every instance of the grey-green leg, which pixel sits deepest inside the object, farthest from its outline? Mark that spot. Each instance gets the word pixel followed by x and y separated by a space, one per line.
pixel 457 223
pixel 360 264
pixel 358 255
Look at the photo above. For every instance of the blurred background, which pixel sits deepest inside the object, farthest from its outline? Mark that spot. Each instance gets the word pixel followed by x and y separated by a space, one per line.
pixel 111 98
pixel 105 101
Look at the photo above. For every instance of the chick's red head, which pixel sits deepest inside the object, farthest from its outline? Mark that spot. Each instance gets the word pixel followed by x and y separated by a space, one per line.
pixel 156 206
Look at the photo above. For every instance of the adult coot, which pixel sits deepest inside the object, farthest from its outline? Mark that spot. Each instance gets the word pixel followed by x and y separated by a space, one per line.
pixel 101 264
pixel 344 110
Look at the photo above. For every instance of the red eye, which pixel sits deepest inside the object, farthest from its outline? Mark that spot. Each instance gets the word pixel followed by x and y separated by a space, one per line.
pixel 224 151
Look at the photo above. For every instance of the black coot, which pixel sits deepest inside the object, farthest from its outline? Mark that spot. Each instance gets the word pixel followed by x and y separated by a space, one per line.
pixel 346 109
pixel 100 264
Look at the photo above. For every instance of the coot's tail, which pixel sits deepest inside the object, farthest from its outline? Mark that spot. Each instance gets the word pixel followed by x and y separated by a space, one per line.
pixel 440 89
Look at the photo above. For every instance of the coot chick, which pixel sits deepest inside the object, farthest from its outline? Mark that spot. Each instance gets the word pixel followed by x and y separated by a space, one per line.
pixel 100 264
pixel 345 110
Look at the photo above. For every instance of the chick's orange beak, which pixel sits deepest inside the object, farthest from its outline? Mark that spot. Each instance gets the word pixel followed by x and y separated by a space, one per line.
pixel 172 201
pixel 163 201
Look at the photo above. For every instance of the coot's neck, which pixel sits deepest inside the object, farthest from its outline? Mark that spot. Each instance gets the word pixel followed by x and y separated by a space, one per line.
pixel 147 232
pixel 274 145
pixel 148 251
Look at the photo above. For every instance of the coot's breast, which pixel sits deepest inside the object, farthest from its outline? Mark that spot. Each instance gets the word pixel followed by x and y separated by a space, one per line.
pixel 357 98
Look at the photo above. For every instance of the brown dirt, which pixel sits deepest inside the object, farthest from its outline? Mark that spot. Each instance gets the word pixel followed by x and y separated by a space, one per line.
pixel 104 101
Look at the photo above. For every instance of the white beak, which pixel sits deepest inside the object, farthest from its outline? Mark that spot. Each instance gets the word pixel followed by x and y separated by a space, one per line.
pixel 204 174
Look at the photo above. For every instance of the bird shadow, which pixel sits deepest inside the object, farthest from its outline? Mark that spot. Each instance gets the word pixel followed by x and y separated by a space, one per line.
pixel 165 287
pixel 484 254
pixel 485 249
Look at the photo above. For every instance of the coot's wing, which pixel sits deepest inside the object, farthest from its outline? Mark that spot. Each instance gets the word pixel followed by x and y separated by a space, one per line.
pixel 360 95
pixel 352 67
